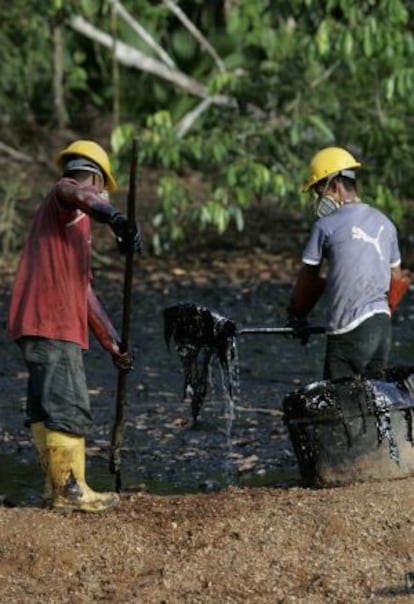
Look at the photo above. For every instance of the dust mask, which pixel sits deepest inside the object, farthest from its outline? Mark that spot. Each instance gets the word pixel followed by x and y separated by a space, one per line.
pixel 325 205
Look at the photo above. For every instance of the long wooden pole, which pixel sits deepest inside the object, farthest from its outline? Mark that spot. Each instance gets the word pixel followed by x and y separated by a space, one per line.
pixel 121 395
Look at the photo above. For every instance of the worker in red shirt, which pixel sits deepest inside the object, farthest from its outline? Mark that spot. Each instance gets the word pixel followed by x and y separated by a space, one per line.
pixel 52 307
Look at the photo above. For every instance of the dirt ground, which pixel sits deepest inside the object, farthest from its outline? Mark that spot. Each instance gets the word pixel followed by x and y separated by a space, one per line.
pixel 261 545
pixel 208 515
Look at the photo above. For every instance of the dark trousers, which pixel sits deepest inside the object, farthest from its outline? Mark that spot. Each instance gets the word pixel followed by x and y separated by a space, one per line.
pixel 57 393
pixel 362 351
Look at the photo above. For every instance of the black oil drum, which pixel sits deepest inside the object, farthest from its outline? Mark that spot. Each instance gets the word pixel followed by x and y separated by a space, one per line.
pixel 353 430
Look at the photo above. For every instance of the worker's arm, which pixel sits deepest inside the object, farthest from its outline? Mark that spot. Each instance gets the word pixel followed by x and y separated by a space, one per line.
pixel 74 197
pixel 106 334
pixel 307 290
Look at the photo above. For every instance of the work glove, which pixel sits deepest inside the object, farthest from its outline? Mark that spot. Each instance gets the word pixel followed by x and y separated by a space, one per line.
pixel 300 327
pixel 128 240
pixel 398 288
pixel 123 361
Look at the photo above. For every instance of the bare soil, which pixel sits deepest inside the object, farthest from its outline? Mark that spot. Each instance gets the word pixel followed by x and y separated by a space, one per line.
pixel 347 545
pixel 208 515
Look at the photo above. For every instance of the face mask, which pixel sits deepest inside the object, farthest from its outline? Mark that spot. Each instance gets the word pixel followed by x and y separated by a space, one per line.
pixel 325 205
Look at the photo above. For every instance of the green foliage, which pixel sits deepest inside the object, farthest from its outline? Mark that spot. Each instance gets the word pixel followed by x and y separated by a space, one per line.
pixel 303 75
pixel 11 224
pixel 299 75
pixel 24 54
pixel 233 178
pixel 171 221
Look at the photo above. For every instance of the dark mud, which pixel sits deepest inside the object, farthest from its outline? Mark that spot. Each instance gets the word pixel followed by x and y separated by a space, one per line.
pixel 162 451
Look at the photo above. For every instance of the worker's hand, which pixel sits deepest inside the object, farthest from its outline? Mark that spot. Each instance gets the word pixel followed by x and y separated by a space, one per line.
pixel 128 240
pixel 123 361
pixel 300 327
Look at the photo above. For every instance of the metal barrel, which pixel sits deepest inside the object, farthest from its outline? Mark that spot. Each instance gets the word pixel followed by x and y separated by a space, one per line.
pixel 352 431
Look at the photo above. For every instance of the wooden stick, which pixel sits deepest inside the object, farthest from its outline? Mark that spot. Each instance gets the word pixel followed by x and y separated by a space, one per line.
pixel 121 396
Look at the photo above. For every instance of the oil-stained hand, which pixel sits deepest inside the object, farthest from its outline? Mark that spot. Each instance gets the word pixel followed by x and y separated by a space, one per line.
pixel 300 328
pixel 123 361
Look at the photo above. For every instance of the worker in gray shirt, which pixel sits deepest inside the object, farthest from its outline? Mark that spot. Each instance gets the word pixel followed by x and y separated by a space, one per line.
pixel 363 282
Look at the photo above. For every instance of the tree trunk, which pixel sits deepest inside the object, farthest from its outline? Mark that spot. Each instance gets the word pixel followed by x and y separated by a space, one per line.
pixel 115 71
pixel 61 113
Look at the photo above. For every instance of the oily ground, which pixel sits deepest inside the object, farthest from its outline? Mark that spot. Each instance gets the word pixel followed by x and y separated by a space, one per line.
pixel 239 544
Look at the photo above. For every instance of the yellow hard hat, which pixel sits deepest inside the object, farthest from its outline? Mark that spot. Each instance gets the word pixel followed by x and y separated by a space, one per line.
pixel 327 162
pixel 93 151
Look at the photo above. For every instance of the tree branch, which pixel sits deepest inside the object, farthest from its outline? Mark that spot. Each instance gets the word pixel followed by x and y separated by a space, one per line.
pixel 196 33
pixel 15 154
pixel 188 120
pixel 132 57
pixel 325 75
pixel 142 32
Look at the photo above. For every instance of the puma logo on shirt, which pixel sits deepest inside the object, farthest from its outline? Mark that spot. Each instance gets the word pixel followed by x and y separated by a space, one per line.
pixel 358 233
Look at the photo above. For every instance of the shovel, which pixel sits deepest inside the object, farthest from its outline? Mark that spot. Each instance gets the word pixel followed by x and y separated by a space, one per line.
pixel 199 335
pixel 191 323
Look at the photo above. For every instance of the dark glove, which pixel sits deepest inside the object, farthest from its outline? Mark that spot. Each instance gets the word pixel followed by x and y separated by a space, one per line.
pixel 128 239
pixel 300 327
pixel 124 361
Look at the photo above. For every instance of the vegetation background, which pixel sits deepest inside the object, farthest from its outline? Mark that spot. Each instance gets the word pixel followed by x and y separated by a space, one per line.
pixel 229 99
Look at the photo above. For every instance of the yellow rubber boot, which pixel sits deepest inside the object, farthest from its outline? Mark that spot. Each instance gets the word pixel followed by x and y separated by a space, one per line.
pixel 39 439
pixel 66 465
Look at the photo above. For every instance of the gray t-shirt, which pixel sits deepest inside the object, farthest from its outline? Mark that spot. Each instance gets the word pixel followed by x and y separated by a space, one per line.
pixel 361 245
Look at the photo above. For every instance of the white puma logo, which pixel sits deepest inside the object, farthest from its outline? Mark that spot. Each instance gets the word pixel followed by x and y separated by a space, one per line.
pixel 358 233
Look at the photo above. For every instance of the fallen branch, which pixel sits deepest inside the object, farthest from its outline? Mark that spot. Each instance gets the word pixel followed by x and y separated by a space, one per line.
pixel 142 32
pixel 14 154
pixel 196 33
pixel 186 123
pixel 132 57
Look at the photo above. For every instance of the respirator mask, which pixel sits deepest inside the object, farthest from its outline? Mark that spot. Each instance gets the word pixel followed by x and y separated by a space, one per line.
pixel 326 204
